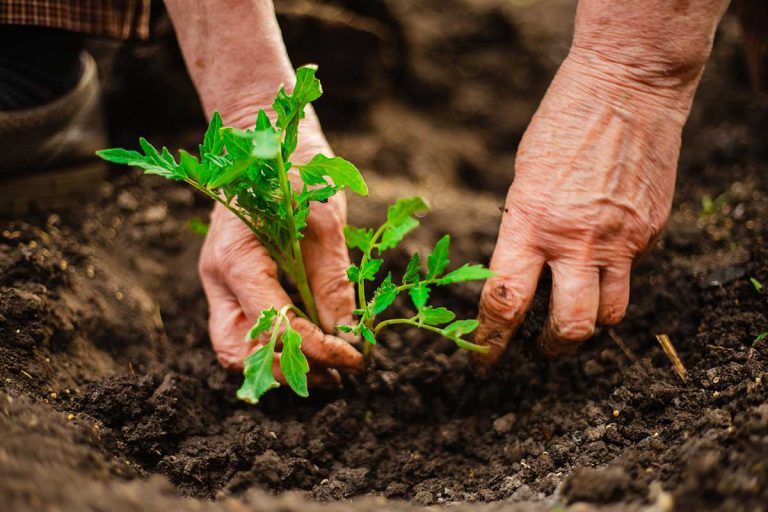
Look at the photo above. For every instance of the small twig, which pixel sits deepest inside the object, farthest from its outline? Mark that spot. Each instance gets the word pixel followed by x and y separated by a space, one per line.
pixel 669 349
pixel 623 346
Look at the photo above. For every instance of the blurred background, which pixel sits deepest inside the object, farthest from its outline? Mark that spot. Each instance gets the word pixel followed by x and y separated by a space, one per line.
pixel 430 96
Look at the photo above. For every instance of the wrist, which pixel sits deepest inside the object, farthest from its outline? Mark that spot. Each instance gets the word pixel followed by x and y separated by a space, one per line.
pixel 633 87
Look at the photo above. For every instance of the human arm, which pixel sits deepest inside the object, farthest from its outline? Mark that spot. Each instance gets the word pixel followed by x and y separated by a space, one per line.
pixel 237 60
pixel 595 170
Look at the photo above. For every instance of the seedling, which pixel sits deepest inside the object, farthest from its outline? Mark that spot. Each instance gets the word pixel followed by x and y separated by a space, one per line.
pixel 246 171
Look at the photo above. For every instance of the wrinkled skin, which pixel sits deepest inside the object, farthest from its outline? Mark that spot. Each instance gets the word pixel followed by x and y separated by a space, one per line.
pixel 594 179
pixel 241 279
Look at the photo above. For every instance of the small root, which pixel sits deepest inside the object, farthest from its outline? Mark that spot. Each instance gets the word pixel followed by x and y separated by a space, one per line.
pixel 669 349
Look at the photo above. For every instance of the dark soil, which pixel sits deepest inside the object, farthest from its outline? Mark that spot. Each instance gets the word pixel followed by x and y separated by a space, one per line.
pixel 111 398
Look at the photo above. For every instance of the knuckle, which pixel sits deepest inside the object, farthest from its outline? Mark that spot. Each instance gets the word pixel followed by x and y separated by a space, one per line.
pixel 326 223
pixel 502 300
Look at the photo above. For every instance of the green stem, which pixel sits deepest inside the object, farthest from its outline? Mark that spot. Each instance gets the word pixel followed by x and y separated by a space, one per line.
pixel 300 271
pixel 466 345
pixel 273 252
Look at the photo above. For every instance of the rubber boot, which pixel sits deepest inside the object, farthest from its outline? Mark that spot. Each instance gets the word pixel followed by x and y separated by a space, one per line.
pixel 48 151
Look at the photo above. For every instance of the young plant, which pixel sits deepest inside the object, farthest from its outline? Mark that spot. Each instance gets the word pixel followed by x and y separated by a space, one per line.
pixel 246 171
pixel 400 221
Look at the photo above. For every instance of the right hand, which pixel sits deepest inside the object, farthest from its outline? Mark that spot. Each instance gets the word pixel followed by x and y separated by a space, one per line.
pixel 240 280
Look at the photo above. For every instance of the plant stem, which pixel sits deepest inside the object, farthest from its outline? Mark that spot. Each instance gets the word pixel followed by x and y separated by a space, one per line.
pixel 300 271
pixel 273 252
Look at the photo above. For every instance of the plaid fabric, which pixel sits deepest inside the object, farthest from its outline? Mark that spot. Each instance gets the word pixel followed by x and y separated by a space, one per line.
pixel 122 19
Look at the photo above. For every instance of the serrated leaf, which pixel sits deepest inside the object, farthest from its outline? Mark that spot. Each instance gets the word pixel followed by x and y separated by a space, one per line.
pixel 262 144
pixel 307 88
pixel 353 273
pixel 258 374
pixel 370 268
pixel 290 108
pixel 263 324
pixel 412 270
pixel 419 295
pixel 461 327
pixel 300 220
pixel 400 220
pixel 228 174
pixel 384 295
pixel 438 260
pixel 367 334
pixel 342 172
pixel 212 142
pixel 358 238
pixel 262 120
pixel 191 166
pixel 151 164
pixel 466 273
pixel 436 316
pixel 396 232
pixel 404 208
pixel 293 362
pixel 321 195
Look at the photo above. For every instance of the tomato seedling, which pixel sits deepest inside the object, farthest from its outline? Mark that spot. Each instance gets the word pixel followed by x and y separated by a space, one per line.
pixel 247 172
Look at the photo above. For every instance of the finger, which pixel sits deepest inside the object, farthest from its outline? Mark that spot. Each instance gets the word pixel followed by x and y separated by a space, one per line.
pixel 327 259
pixel 573 308
pixel 227 325
pixel 614 293
pixel 505 298
pixel 318 376
pixel 327 350
pixel 251 274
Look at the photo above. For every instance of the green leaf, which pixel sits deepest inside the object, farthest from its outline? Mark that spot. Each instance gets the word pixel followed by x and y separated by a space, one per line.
pixel 307 88
pixel 151 162
pixel 461 327
pixel 263 324
pixel 419 295
pixel 412 270
pixel 394 233
pixel 290 109
pixel 756 284
pixel 293 363
pixel 261 144
pixel 342 172
pixel 367 334
pixel 300 219
pixel 436 316
pixel 230 173
pixel 404 208
pixel 358 238
pixel 353 273
pixel 400 220
pixel 466 273
pixel 438 260
pixel 457 329
pixel 212 142
pixel 258 374
pixel 369 270
pixel 198 226
pixel 191 166
pixel 384 295
pixel 320 195
pixel 262 120
pixel 346 328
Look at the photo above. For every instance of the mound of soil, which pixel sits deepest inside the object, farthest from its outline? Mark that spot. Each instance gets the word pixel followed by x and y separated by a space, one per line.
pixel 110 396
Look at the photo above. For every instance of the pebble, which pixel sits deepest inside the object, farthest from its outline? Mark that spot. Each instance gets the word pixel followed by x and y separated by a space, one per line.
pixel 504 424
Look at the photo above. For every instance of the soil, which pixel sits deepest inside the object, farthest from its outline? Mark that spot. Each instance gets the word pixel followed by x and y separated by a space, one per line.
pixel 111 397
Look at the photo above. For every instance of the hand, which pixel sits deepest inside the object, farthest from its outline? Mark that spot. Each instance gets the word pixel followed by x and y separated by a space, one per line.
pixel 240 279
pixel 594 179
